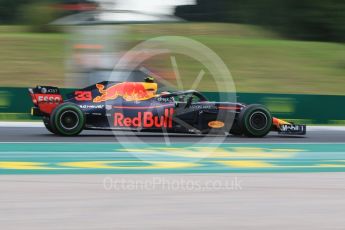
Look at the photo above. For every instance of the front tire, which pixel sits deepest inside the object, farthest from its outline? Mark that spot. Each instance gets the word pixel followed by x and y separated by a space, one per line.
pixel 67 120
pixel 255 120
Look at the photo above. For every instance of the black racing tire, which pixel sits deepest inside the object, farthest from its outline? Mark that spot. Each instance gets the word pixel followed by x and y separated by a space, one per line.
pixel 236 133
pixel 255 120
pixel 236 129
pixel 46 122
pixel 67 120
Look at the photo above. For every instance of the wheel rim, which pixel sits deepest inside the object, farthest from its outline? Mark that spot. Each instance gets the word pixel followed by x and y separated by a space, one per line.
pixel 69 120
pixel 258 121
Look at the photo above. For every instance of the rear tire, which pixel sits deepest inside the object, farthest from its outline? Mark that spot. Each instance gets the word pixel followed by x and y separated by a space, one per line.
pixel 255 120
pixel 46 122
pixel 67 120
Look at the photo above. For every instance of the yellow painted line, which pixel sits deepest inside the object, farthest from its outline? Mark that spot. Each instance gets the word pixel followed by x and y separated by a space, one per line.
pixel 26 165
pixel 245 164
pixel 115 165
pixel 156 165
pixel 263 164
pixel 209 152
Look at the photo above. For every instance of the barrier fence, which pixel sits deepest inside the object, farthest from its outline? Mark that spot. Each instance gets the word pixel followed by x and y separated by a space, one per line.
pixel 15 104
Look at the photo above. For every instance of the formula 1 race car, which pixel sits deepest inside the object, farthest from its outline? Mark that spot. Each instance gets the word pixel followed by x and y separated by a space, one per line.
pixel 137 106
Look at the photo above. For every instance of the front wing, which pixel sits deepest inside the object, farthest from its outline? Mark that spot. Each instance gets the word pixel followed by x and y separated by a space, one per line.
pixel 287 128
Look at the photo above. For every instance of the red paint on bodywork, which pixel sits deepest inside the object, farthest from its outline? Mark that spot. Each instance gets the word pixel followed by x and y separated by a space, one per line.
pixel 47 102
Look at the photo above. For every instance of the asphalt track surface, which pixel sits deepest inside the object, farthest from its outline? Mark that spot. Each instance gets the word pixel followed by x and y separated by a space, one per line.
pixel 40 134
pixel 217 201
pixel 173 201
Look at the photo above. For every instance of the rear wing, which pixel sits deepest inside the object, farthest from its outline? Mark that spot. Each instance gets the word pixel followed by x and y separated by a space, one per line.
pixel 45 99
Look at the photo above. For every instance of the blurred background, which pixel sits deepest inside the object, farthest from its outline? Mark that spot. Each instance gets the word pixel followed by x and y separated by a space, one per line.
pixel 270 46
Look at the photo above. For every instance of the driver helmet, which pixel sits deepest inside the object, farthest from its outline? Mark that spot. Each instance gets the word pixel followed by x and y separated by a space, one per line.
pixel 149 79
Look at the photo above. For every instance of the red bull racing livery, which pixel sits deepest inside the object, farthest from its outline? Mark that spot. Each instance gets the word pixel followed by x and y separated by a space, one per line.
pixel 137 106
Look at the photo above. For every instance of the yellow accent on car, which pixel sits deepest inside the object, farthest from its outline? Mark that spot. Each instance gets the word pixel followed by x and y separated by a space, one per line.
pixel 216 124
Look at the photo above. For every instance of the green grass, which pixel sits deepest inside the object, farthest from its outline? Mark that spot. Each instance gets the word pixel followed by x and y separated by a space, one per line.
pixel 27 59
pixel 259 60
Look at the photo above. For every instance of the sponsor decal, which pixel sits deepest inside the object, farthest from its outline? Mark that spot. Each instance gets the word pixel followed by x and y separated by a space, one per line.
pixel 145 120
pixel 43 90
pixel 290 128
pixel 48 90
pixel 202 106
pixel 129 91
pixel 83 95
pixel 216 124
pixel 91 106
pixel 48 98
pixel 47 102
pixel 165 99
pixel 52 91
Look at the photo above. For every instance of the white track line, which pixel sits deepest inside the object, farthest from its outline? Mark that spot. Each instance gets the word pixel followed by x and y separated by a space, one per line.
pixel 21 124
pixel 39 124
pixel 325 128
